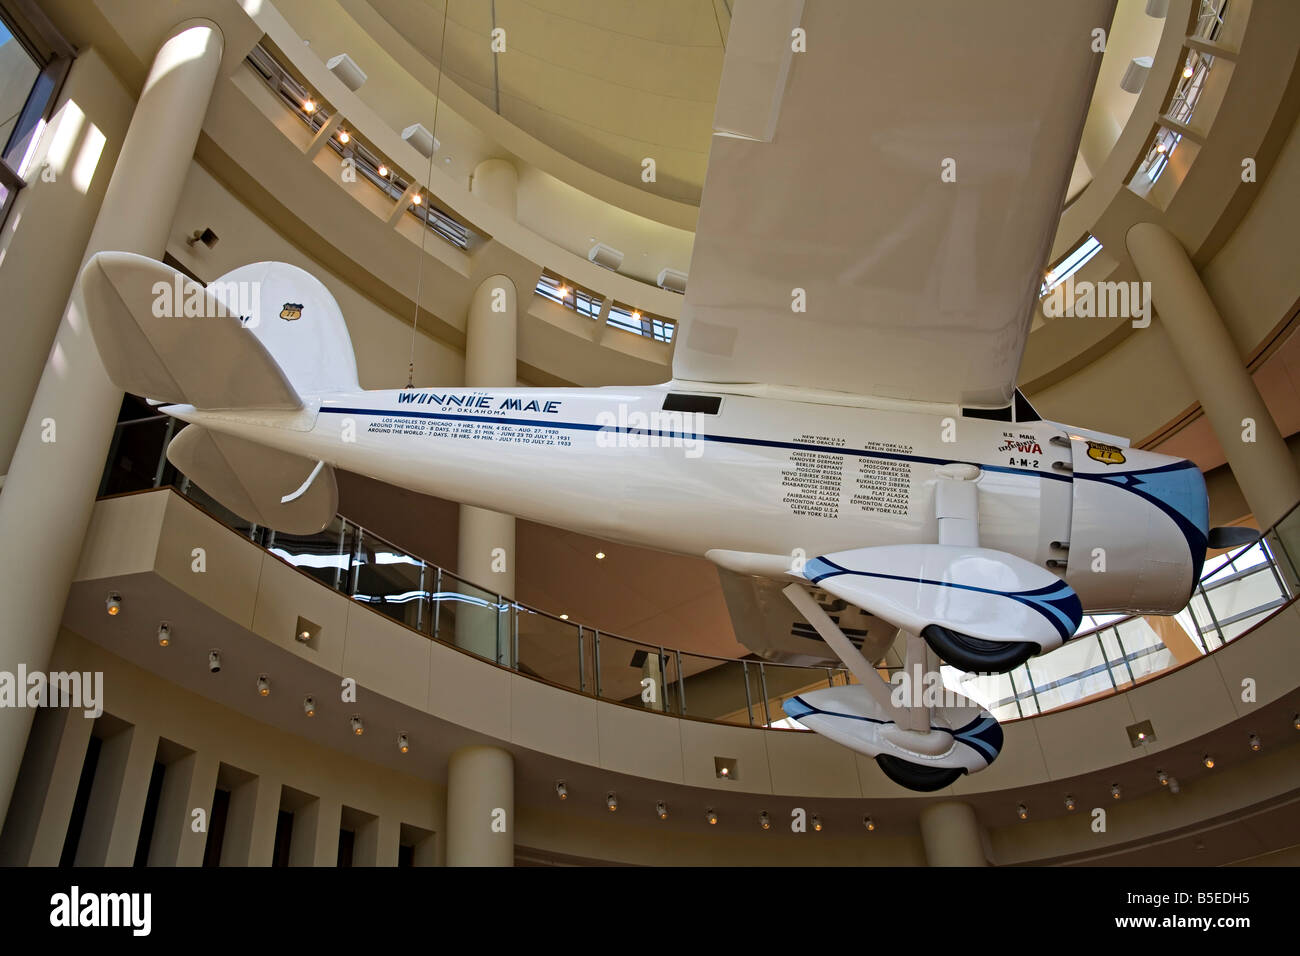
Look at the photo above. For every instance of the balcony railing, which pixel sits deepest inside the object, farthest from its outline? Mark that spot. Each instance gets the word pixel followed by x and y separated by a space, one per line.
pixel 1237 591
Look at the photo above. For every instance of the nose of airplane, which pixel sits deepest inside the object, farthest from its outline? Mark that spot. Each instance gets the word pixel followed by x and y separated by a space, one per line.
pixel 1147 515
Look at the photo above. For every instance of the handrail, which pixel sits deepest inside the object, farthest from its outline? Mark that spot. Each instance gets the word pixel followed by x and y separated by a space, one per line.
pixel 445 607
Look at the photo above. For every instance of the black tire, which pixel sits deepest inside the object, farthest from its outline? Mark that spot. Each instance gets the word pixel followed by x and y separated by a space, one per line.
pixel 978 656
pixel 915 776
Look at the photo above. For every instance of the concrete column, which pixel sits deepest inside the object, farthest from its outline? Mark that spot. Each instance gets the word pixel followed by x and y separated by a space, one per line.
pixel 189 784
pixel 486 545
pixel 481 807
pixel 316 833
pixel 115 809
pixel 251 820
pixel 952 836
pixel 37 826
pixel 491 347
pixel 50 489
pixel 1264 468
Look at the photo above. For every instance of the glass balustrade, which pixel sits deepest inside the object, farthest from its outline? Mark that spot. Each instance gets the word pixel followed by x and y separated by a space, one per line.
pixel 1112 653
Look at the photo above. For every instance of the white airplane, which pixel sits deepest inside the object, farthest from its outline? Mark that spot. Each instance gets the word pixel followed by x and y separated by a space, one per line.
pixel 869 454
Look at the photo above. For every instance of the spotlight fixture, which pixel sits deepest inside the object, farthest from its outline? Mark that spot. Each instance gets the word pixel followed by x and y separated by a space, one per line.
pixel 661 810
pixel 636 316
pixel 817 823
pixel 564 617
pixel 1070 805
pixel 611 801
pixel 403 743
pixel 600 555
pixel 563 291
pixel 383 170
pixel 1161 147
pixel 869 823
pixel 417 199
pixel 711 816
pixel 1255 742
pixel 345 137
pixel 1022 811
pixel 1295 721
pixel 309 706
pixel 205 236
pixel 1208 761
pixel 1115 791
pixel 765 821
pixel 1187 72
pixel 561 790
pixel 113 604
pixel 1163 778
pixel 724 772
pixel 264 686
pixel 357 727
pixel 309 105
pixel 214 661
pixel 164 634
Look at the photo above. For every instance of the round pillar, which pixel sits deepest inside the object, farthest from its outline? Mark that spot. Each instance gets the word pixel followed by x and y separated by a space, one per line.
pixel 1264 468
pixel 481 807
pixel 50 490
pixel 485 553
pixel 496 182
pixel 952 836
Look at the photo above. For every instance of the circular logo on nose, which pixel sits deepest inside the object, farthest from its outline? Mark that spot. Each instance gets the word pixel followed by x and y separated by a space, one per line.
pixel 291 311
pixel 1106 454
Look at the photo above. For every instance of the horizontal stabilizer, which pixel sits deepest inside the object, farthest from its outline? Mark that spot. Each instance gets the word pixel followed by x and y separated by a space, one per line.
pixel 253 480
pixel 977 592
pixel 165 337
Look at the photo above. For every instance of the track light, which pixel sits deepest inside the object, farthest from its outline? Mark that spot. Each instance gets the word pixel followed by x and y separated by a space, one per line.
pixel 765 821
pixel 869 823
pixel 1070 805
pixel 403 744
pixel 357 727
pixel 264 686
pixel 345 137
pixel 561 790
pixel 661 810
pixel 164 634
pixel 817 823
pixel 1115 791
pixel 711 816
pixel 309 706
pixel 214 661
pixel 1255 743
pixel 113 604
pixel 1022 811
pixel 611 801
pixel 1162 778
pixel 1208 761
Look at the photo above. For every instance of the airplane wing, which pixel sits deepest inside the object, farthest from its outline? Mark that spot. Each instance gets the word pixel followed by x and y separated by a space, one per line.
pixel 879 207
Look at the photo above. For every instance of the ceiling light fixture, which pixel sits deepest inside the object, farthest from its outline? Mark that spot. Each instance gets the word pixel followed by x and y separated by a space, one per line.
pixel 869 823
pixel 164 634
pixel 1115 791
pixel 1255 743
pixel 600 555
pixel 1208 761
pixel 1162 778
pixel 383 170
pixel 403 743
pixel 309 105
pixel 1022 811
pixel 264 686
pixel 561 790
pixel 611 801
pixel 765 821
pixel 661 810
pixel 358 728
pixel 113 604
pixel 1070 805
pixel 711 816
pixel 417 199
pixel 309 706
pixel 817 823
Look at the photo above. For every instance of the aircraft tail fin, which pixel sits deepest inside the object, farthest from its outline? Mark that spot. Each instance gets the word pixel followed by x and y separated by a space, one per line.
pixel 262 336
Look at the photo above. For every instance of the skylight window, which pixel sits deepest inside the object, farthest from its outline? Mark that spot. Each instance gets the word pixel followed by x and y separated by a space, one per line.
pixel 1071 264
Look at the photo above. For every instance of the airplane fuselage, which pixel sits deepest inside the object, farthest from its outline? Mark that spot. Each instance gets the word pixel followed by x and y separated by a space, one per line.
pixel 690 472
